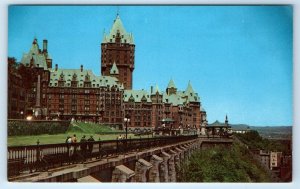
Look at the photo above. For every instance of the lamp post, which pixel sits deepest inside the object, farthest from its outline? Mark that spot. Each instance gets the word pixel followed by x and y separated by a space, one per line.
pixel 21 114
pixel 126 120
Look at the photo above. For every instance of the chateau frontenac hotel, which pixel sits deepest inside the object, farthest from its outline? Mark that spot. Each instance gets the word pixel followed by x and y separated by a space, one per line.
pixel 43 90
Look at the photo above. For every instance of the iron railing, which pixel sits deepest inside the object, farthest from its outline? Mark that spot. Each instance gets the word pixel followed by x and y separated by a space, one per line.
pixel 42 157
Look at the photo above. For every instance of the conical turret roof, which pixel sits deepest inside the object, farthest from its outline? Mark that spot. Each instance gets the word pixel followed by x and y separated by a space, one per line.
pixel 189 88
pixel 118 27
pixel 171 84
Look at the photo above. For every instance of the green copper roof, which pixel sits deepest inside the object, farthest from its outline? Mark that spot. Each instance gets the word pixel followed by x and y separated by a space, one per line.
pixel 80 77
pixel 216 124
pixel 114 70
pixel 181 97
pixel 155 90
pixel 189 88
pixel 136 95
pixel 118 27
pixel 35 56
pixel 171 84
pixel 175 99
pixel 190 94
pixel 167 120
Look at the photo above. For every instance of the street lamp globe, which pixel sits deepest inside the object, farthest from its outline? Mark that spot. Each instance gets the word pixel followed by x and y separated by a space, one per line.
pixel 126 120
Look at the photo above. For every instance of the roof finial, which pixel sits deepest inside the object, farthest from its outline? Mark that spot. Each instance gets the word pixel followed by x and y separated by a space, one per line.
pixel 118 11
pixel 34 39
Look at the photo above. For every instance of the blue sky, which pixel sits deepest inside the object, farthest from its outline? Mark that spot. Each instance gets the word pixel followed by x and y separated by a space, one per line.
pixel 238 58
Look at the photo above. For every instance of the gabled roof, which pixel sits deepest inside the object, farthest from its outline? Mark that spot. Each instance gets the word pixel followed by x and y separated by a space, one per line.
pixel 114 69
pixel 35 56
pixel 171 84
pixel 81 76
pixel 136 95
pixel 118 26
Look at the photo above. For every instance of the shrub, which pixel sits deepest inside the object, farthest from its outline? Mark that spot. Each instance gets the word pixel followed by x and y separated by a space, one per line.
pixel 23 127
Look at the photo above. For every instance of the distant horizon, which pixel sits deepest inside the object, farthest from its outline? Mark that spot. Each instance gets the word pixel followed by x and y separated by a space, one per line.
pixel 238 58
pixel 261 125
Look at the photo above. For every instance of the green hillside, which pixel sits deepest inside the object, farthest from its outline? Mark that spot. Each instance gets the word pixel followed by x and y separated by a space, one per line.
pixel 91 128
pixel 222 165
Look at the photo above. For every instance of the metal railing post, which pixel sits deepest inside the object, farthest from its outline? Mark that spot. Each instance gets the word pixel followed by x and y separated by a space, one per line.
pixel 117 147
pixel 99 146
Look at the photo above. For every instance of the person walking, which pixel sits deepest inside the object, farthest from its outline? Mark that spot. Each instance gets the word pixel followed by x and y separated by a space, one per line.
pixel 74 148
pixel 74 139
pixel 90 145
pixel 83 146
pixel 69 147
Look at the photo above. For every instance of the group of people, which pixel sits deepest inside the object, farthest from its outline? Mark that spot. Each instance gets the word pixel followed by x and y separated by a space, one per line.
pixel 86 147
pixel 73 139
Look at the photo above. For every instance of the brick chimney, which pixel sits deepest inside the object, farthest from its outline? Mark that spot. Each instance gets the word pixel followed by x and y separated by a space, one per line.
pixel 45 45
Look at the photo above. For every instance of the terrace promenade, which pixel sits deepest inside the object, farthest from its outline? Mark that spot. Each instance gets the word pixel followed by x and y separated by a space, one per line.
pixel 132 160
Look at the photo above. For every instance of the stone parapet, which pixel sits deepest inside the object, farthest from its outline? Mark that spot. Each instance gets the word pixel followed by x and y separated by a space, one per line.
pixel 164 167
pixel 141 167
pixel 122 173
pixel 154 171
pixel 172 169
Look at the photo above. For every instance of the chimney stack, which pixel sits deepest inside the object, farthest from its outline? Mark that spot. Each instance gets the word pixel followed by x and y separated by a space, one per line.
pixel 81 67
pixel 56 67
pixel 45 45
pixel 151 90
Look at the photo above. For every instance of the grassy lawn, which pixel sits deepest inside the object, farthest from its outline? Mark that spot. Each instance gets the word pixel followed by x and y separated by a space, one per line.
pixel 79 129
pixel 58 138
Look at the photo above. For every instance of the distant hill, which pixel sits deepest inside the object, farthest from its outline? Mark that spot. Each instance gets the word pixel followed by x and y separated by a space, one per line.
pixel 239 126
pixel 277 132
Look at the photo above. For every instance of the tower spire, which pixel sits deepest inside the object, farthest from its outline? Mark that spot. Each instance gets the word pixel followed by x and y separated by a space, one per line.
pixel 118 11
pixel 226 120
